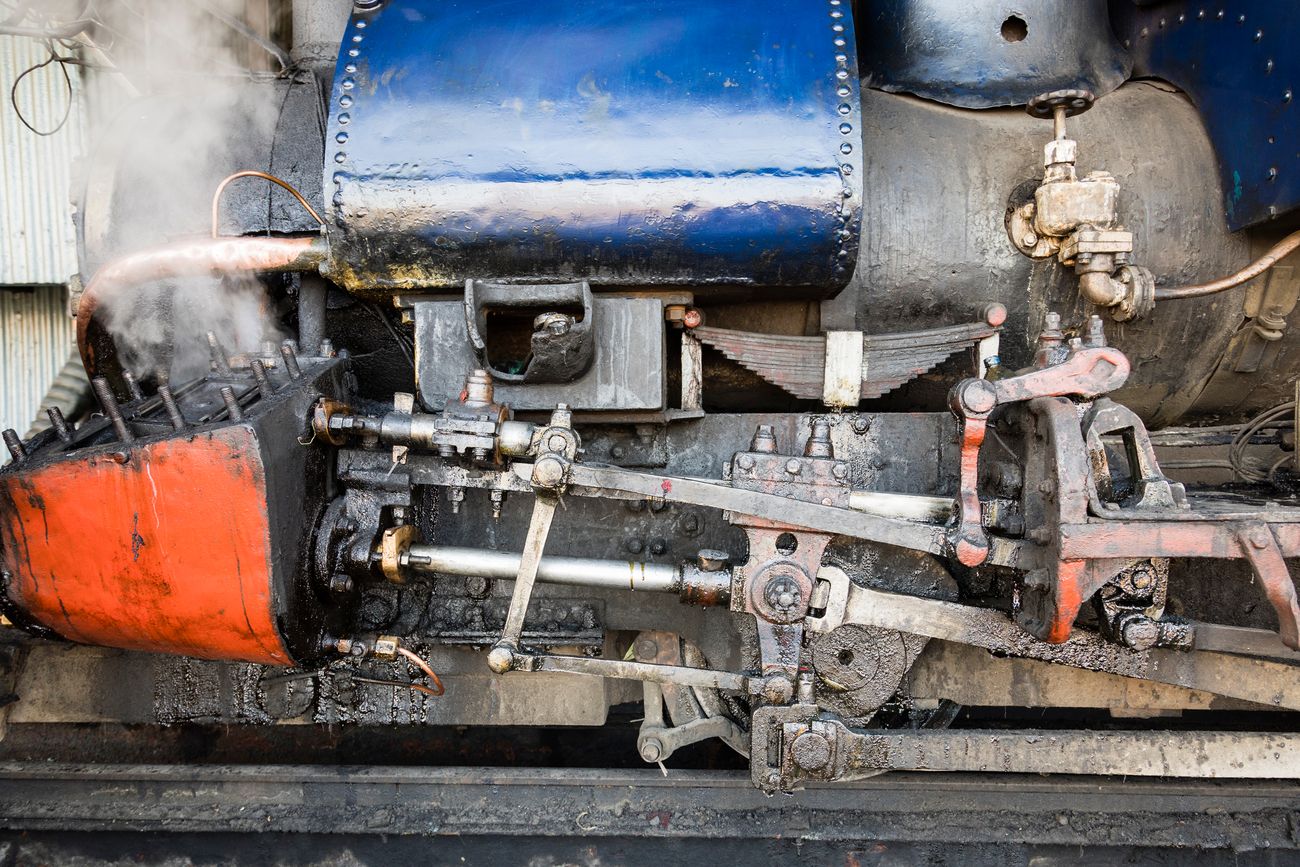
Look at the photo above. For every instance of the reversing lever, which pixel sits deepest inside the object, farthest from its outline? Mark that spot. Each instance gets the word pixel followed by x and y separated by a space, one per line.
pixel 1085 372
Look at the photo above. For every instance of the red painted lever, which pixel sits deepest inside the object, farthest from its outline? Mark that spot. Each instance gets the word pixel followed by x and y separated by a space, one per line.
pixel 1084 373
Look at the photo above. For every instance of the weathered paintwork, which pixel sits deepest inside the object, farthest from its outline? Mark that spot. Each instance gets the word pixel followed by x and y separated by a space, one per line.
pixel 169 551
pixel 661 142
pixel 988 53
pixel 1238 62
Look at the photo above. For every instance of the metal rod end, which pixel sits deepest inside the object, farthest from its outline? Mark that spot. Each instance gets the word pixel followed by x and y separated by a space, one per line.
pixel 169 405
pixel 15 445
pixel 233 409
pixel 60 424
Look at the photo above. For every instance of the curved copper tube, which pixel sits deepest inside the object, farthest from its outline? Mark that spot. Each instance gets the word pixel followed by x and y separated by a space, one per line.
pixel 1277 253
pixel 423 666
pixel 253 173
pixel 189 259
pixel 418 687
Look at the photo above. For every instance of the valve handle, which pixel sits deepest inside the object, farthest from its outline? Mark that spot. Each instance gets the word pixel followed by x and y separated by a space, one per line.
pixel 1075 102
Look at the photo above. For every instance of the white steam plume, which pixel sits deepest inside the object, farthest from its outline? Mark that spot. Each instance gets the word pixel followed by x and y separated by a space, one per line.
pixel 200 107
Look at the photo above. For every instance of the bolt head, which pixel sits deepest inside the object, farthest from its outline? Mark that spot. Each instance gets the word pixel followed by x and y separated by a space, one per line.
pixel 782 593
pixel 1029 239
pixel 1140 632
pixel 647 648
pixel 745 462
pixel 651 749
pixel 556 443
pixel 548 472
pixel 839 471
pixel 811 751
pixel 793 466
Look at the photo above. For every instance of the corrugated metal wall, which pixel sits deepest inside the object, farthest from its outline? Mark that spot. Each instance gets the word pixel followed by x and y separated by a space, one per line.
pixel 37 241
pixel 35 340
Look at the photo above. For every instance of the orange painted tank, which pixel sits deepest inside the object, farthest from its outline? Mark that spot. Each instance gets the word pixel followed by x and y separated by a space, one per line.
pixel 170 551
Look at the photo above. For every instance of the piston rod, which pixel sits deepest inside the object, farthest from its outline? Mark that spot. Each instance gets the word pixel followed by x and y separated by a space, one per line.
pixel 573 571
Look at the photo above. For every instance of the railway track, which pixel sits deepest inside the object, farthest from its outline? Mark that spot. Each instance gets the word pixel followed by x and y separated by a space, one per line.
pixel 615 814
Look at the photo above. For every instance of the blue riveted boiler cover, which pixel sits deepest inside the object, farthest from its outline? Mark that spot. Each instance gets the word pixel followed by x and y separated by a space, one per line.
pixel 668 142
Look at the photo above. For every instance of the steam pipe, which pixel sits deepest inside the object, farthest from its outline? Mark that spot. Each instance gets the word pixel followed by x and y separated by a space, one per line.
pixel 1276 253
pixel 208 256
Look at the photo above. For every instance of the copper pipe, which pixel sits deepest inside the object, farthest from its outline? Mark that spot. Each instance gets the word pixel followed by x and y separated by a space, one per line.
pixel 191 259
pixel 1277 253
pixel 418 687
pixel 423 666
pixel 253 173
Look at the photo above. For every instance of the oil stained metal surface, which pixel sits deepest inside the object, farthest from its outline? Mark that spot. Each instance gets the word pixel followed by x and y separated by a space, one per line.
pixel 664 142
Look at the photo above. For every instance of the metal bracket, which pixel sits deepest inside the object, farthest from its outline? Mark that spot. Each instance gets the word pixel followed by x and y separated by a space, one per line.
pixel 563 347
